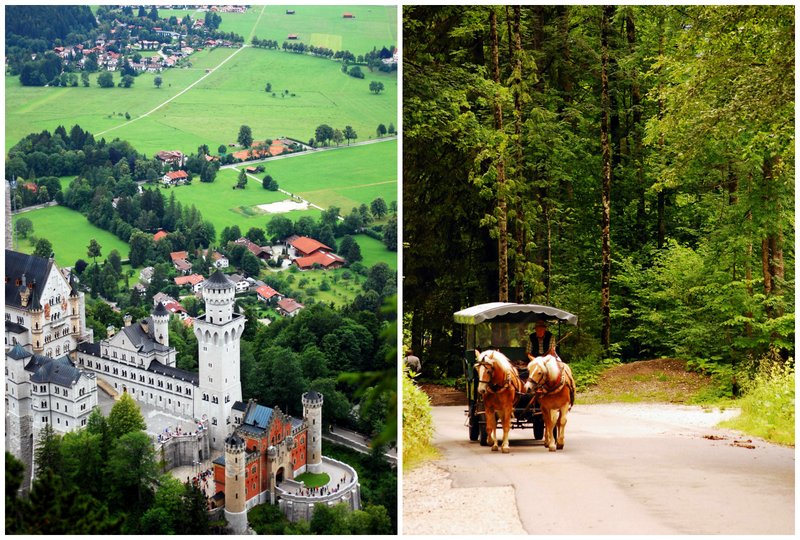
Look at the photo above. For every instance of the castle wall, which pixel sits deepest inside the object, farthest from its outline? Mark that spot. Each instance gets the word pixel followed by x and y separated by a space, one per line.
pixel 300 507
pixel 184 450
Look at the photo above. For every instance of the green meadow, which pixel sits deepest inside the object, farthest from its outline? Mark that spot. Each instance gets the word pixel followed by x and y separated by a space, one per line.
pixel 69 232
pixel 345 177
pixel 232 94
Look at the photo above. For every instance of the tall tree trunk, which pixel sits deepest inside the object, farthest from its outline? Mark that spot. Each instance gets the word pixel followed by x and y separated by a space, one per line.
pixel 502 224
pixel 772 265
pixel 605 105
pixel 636 105
pixel 520 230
pixel 661 227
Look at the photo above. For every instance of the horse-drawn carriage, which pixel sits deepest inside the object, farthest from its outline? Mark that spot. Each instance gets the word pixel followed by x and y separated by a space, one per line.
pixel 504 327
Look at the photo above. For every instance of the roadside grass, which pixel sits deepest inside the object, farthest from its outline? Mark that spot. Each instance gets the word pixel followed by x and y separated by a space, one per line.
pixel 418 426
pixel 768 405
pixel 313 480
pixel 213 110
pixel 69 232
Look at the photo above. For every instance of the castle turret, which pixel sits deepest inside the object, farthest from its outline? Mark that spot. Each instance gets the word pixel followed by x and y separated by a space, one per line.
pixel 312 413
pixel 160 317
pixel 235 495
pixel 218 332
pixel 33 301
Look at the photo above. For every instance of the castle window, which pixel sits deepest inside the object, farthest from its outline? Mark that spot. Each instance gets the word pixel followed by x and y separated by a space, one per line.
pixel 133 376
pixel 57 390
pixel 44 419
pixel 228 421
pixel 116 371
pixel 115 354
pixel 188 391
pixel 213 421
pixel 161 384
pixel 44 404
pixel 105 368
pixel 66 393
pixel 227 398
pixel 58 420
pixel 66 409
pixel 123 356
pixel 169 386
pixel 124 373
pixel 169 402
pixel 83 422
pixel 20 320
pixel 149 380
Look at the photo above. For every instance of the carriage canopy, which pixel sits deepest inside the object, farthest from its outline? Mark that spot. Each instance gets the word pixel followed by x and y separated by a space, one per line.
pixel 508 312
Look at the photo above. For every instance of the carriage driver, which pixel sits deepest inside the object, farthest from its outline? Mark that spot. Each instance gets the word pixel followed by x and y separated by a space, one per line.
pixel 542 341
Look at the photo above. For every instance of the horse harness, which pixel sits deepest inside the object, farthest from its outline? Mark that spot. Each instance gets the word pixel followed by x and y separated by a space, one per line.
pixel 490 386
pixel 544 387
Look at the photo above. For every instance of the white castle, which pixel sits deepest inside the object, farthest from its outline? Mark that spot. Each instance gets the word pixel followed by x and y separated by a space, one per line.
pixel 53 370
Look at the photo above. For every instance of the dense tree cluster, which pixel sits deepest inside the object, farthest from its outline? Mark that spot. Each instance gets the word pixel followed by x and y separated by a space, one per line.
pixel 634 165
pixel 133 498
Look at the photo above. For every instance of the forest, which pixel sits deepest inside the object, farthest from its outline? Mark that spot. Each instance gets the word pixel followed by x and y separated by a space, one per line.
pixel 633 165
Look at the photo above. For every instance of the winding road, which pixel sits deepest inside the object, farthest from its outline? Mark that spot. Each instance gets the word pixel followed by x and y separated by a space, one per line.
pixel 625 469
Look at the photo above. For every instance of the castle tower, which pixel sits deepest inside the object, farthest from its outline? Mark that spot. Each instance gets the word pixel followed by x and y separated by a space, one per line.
pixel 75 306
pixel 160 317
pixel 19 420
pixel 218 333
pixel 32 299
pixel 312 413
pixel 235 501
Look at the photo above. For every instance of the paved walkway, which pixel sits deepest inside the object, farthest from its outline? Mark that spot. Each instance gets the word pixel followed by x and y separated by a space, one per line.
pixel 204 469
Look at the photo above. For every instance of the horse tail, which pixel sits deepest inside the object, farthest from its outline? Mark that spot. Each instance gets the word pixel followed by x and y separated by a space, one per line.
pixel 571 384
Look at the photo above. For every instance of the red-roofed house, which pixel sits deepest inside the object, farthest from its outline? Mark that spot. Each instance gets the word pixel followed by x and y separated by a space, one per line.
pixel 159 235
pixel 262 252
pixel 180 260
pixel 171 156
pixel 289 307
pixel 177 309
pixel 326 260
pixel 304 246
pixel 175 177
pixel 194 280
pixel 267 294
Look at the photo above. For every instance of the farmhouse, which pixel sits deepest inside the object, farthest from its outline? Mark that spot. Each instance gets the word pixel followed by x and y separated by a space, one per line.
pixel 171 157
pixel 159 235
pixel 327 261
pixel 303 246
pixel 174 177
pixel 240 283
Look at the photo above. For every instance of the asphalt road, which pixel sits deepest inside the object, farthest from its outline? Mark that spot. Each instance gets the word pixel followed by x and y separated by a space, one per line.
pixel 626 469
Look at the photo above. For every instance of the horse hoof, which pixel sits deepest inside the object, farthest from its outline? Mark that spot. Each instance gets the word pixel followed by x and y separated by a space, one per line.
pixel 552 448
pixel 560 446
pixel 506 450
pixel 494 448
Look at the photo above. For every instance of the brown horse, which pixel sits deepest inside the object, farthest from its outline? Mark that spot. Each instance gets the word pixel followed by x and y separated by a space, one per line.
pixel 498 383
pixel 551 380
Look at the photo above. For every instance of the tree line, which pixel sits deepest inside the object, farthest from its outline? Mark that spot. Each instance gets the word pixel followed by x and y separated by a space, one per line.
pixel 633 165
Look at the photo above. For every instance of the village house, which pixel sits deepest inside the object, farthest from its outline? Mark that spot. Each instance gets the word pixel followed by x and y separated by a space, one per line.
pixel 180 260
pixel 175 178
pixel 146 274
pixel 195 281
pixel 159 235
pixel 240 283
pixel 171 157
pixel 306 252
pixel 268 295
pixel 262 252
pixel 289 307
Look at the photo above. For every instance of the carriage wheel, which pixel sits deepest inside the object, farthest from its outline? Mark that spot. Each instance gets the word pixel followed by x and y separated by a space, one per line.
pixel 538 427
pixel 483 436
pixel 474 428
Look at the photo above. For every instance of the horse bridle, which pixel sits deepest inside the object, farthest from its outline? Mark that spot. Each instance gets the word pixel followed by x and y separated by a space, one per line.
pixel 542 384
pixel 490 386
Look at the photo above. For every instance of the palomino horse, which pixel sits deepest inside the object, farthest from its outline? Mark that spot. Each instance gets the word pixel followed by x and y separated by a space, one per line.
pixel 498 383
pixel 551 380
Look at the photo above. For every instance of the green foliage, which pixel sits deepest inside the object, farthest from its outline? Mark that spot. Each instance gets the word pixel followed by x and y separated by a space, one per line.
pixel 417 422
pixel 768 405
pixel 125 417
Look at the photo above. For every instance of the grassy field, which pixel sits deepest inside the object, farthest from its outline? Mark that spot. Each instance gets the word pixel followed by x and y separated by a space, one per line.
pixel 346 178
pixel 212 111
pixel 69 232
